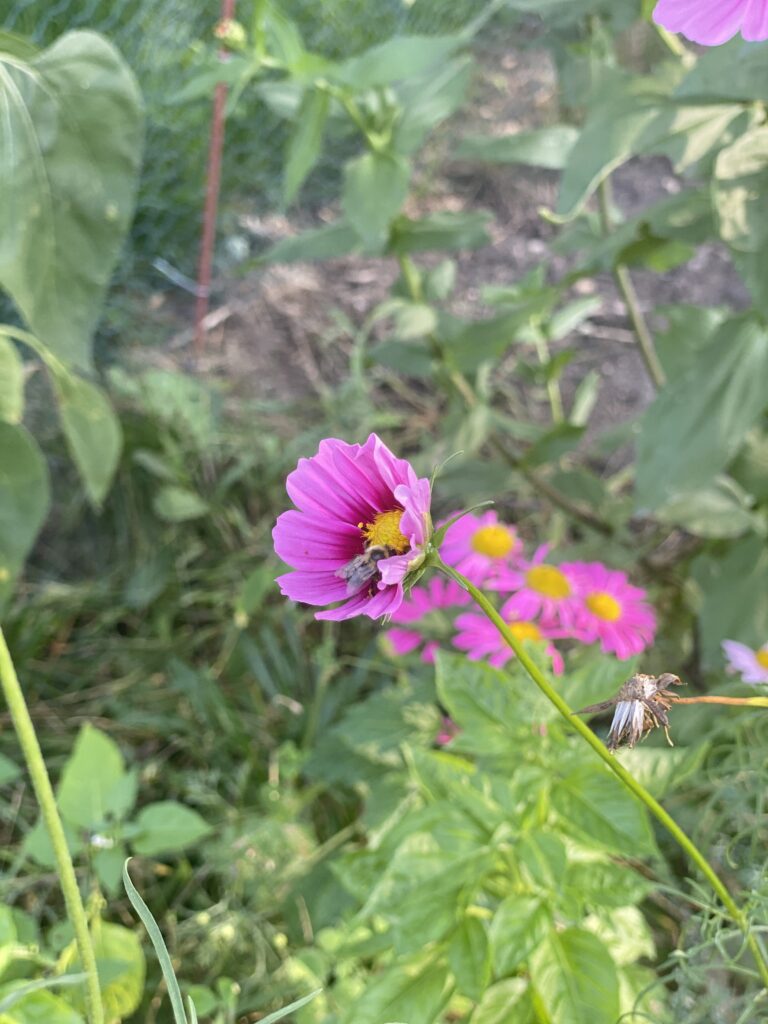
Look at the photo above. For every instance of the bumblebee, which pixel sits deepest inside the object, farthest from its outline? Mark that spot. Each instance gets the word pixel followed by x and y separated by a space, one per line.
pixel 363 569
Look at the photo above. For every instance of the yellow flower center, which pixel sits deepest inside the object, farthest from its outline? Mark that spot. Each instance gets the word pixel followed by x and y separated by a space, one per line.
pixel 762 657
pixel 603 606
pixel 525 630
pixel 495 541
pixel 385 529
pixel 548 581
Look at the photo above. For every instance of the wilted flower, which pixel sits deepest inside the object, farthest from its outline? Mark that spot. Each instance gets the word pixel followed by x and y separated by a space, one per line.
pixel 751 665
pixel 712 22
pixel 612 610
pixel 361 524
pixel 641 705
pixel 479 547
pixel 437 595
pixel 448 730
pixel 478 636
pixel 545 591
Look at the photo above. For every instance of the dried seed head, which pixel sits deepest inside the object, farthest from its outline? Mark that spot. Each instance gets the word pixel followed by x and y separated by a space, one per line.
pixel 641 705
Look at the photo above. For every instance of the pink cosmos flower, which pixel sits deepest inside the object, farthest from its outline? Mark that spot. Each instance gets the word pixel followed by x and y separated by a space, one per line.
pixel 479 547
pixel 360 525
pixel 482 641
pixel 612 610
pixel 438 594
pixel 751 665
pixel 711 22
pixel 543 591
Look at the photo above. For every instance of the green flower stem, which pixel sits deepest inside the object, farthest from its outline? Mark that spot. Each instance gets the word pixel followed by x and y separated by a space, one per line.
pixel 642 794
pixel 41 784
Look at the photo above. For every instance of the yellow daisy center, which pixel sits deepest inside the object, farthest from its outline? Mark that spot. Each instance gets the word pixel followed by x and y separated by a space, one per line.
pixel 762 657
pixel 385 530
pixel 604 606
pixel 495 541
pixel 525 631
pixel 548 580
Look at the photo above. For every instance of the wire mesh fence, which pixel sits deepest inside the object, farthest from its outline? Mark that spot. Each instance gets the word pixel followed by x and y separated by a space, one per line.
pixel 162 42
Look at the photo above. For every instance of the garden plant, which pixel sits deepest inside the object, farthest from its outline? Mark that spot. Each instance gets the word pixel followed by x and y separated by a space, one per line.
pixel 439 696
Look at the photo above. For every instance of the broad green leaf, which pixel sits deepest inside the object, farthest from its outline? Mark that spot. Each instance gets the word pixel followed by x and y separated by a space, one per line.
pixel 599 883
pixel 178 505
pixel 11 381
pixel 108 865
pixel 750 467
pixel 625 932
pixel 37 1008
pixel 306 142
pixel 689 329
pixel 325 243
pixel 469 958
pixel 92 431
pixel 575 978
pixel 396 59
pixel 413 360
pixel 122 969
pixel 699 420
pixel 733 71
pixel 734 588
pixel 518 926
pixel 231 72
pixel 93 772
pixel 740 191
pixel 24 501
pixel 70 145
pixel 440 231
pixel 166 827
pixel 506 1002
pixel 37 843
pixel 720 509
pixel 542 859
pixel 428 100
pixel 406 991
pixel 543 147
pixel 375 187
pixel 595 807
pixel 439 282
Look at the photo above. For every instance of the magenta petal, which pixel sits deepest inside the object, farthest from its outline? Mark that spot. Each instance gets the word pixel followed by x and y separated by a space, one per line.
pixel 312 587
pixel 709 22
pixel 403 641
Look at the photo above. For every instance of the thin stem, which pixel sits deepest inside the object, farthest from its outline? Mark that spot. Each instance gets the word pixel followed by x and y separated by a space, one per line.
pixel 553 387
pixel 755 702
pixel 616 767
pixel 41 783
pixel 629 295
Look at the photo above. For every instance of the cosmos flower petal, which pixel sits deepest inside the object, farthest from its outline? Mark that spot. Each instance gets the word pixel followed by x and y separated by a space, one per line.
pixel 712 22
pixel 403 640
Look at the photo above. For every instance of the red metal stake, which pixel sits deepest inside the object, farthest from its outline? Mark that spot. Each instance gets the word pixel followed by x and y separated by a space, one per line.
pixel 213 182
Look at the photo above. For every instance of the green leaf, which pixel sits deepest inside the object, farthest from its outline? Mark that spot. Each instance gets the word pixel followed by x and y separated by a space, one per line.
pixel 24 501
pixel 398 58
pixel 575 978
pixel 506 1002
pixel 689 330
pixel 734 71
pixel 8 770
pixel 166 827
pixel 519 925
pixel 71 144
pixel 440 231
pixel 92 431
pixel 37 843
pixel 178 505
pixel 375 187
pixel 161 950
pixel 37 1008
pixel 741 191
pixel 721 509
pixel 413 360
pixel 699 420
pixel 122 969
pixel 405 992
pixel 306 142
pixel 597 883
pixel 439 282
pixel 543 147
pixel 325 243
pixel 11 381
pixel 95 770
pixel 469 958
pixel 595 807
pixel 542 860
pixel 297 1004
pixel 108 865
pixel 428 100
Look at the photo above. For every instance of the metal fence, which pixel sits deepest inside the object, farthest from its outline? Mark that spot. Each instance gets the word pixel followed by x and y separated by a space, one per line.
pixel 161 39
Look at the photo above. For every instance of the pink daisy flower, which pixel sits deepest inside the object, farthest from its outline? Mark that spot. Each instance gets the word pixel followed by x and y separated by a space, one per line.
pixel 612 610
pixel 712 22
pixel 361 524
pixel 482 641
pixel 543 591
pixel 437 595
pixel 751 665
pixel 479 547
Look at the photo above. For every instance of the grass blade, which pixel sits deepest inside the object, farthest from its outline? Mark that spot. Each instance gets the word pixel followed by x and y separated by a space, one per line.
pixel 279 1014
pixel 141 908
pixel 35 986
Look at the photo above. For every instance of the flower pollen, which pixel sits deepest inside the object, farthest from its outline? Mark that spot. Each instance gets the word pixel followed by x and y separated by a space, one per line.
pixel 761 657
pixel 548 580
pixel 604 606
pixel 525 631
pixel 495 541
pixel 385 530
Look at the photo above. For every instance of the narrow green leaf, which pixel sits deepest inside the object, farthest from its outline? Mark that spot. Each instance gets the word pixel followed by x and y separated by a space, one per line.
pixel 469 958
pixel 161 950
pixel 306 142
pixel 575 978
pixel 92 431
pixel 375 187
pixel 325 243
pixel 398 58
pixel 41 983
pixel 297 1004
pixel 24 501
pixel 11 381
pixel 178 505
pixel 544 147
